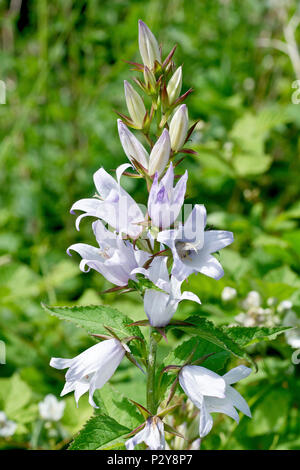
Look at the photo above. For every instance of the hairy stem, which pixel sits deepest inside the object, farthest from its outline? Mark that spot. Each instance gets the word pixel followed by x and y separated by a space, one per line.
pixel 151 400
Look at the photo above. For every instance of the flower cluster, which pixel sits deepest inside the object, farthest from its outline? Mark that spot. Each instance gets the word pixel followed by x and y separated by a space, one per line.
pixel 272 314
pixel 152 244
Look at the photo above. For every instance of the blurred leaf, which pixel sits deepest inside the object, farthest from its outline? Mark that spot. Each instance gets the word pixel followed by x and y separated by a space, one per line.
pixel 251 164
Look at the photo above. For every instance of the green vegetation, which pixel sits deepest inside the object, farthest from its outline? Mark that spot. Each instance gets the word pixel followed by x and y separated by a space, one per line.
pixel 63 66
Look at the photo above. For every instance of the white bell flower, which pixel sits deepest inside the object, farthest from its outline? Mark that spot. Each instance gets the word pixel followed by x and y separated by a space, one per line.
pixel 152 435
pixel 91 369
pixel 212 393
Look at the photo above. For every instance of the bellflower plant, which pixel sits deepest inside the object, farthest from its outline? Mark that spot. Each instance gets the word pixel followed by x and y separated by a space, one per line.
pixel 153 251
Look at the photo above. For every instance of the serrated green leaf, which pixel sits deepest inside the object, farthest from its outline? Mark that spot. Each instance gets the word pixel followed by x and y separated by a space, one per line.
pixel 97 432
pixel 244 336
pixel 206 329
pixel 94 318
pixel 117 406
pixel 201 347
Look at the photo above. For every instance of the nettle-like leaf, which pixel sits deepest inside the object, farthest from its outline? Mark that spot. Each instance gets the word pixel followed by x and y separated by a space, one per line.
pixel 100 430
pixel 245 336
pixel 115 404
pixel 233 339
pixel 206 329
pixel 94 318
pixel 200 348
pixel 112 422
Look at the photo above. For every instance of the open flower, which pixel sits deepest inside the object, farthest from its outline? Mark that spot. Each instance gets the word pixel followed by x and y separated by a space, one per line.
pixel 165 202
pixel 51 409
pixel 7 427
pixel 91 369
pixel 115 258
pixel 212 393
pixel 161 306
pixel 113 205
pixel 152 435
pixel 192 247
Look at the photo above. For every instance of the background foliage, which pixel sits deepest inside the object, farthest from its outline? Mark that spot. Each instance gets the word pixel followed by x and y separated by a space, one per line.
pixel 63 65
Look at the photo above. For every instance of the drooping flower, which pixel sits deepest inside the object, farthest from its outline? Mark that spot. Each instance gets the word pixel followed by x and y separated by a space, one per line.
pixel 148 46
pixel 115 258
pixel 132 146
pixel 113 205
pixel 165 202
pixel 7 427
pixel 212 393
pixel 51 409
pixel 174 85
pixel 160 154
pixel 179 127
pixel 152 435
pixel 135 105
pixel 192 246
pixel 91 369
pixel 161 306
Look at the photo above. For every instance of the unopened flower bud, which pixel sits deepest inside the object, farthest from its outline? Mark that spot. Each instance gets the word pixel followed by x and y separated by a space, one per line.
pixel 174 85
pixel 132 147
pixel 135 105
pixel 148 46
pixel 160 154
pixel 179 128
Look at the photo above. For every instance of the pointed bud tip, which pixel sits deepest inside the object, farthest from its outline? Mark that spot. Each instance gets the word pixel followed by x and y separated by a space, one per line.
pixel 142 24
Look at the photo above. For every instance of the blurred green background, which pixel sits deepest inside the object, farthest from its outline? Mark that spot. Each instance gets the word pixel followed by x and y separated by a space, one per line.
pixel 63 66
